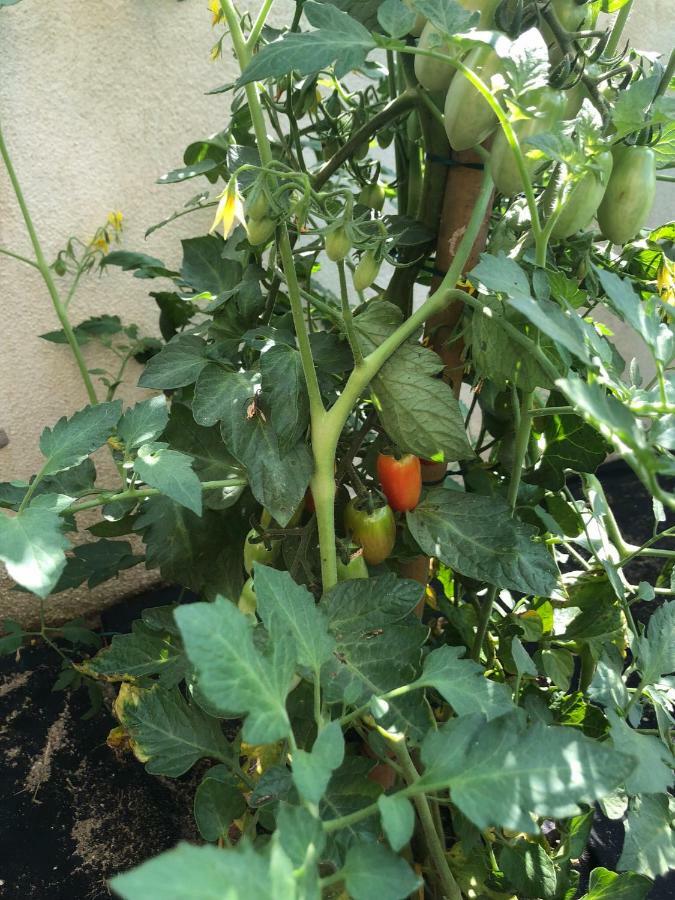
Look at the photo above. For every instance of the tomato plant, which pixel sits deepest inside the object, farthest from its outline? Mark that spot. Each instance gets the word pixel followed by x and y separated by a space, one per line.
pixel 502 617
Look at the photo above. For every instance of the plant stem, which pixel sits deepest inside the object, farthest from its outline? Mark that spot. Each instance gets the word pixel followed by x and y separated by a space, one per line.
pixel 23 259
pixel 347 316
pixel 617 29
pixel 259 24
pixel 436 850
pixel 141 493
pixel 45 271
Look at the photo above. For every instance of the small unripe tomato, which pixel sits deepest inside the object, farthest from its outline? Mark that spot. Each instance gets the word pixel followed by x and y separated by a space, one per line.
pixel 374 530
pixel 257 204
pixel 401 480
pixel 373 196
pixel 366 271
pixel 247 599
pixel 256 551
pixel 260 231
pixel 338 243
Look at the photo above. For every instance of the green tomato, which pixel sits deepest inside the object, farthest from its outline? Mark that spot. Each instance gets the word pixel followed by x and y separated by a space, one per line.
pixel 373 196
pixel 256 551
pixel 630 193
pixel 260 231
pixel 355 567
pixel 366 271
pixel 257 204
pixel 338 243
pixel 582 201
pixel 546 107
pixel 247 599
pixel 374 530
pixel 468 117
pixel 433 74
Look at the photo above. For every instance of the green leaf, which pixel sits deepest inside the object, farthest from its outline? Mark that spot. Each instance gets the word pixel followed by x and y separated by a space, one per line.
pixel 176 176
pixel 447 15
pixel 396 18
pixel 207 265
pixel 529 869
pixel 142 653
pixel 96 562
pixel 503 771
pixel 649 844
pixel 570 444
pixel 32 548
pixel 463 684
pixel 283 384
pixel 656 655
pixel 143 422
pixel 558 665
pixel 232 673
pixel 522 659
pixel 373 872
pixel 398 819
pixel 206 872
pixel 278 479
pixel 298 830
pixel 477 537
pixel 13 637
pixel 95 327
pixel 168 734
pixel 171 473
pixel 142 265
pixel 312 771
pixel 418 411
pixel 176 365
pixel 606 885
pixel 218 801
pixel 288 610
pixel 355 608
pixel 70 441
pixel 607 686
pixel 338 39
pixel 653 773
pixel 502 275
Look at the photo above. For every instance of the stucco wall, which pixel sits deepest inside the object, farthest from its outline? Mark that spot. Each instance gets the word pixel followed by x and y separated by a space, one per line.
pixel 97 100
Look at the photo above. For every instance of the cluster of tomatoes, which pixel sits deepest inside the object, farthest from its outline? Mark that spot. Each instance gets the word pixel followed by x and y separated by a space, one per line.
pixel 369 523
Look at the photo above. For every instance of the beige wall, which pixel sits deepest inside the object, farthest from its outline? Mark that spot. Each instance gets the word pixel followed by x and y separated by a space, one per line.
pixel 98 99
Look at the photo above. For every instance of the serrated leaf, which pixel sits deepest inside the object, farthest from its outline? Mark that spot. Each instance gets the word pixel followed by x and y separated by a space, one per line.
pixel 96 562
pixel 171 473
pixel 478 537
pixel 396 18
pixel 503 771
pixel 649 843
pixel 289 610
pixel 301 835
pixel 312 771
pixel 168 733
pixel 529 869
pixel 142 265
pixel 143 422
pixel 176 365
pixel 208 265
pixel 502 275
pixel 657 648
pixel 232 673
pixel 142 653
pixel 524 663
pixel 373 872
pixel 654 771
pixel 356 608
pixel 207 872
pixel 463 684
pixel 418 411
pixel 32 547
pixel 71 441
pixel 338 39
pixel 283 383
pixel 447 15
pixel 558 666
pixel 398 819
pixel 570 444
pixel 606 885
pixel 607 686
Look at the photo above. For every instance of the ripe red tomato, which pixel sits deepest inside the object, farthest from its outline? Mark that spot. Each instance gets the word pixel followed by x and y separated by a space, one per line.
pixel 401 480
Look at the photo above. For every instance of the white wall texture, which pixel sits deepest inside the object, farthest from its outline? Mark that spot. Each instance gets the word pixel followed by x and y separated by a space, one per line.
pixel 97 100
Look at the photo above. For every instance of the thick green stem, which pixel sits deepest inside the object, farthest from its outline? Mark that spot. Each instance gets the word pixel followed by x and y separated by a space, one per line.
pixel 259 24
pixel 617 29
pixel 347 316
pixel 40 262
pixel 142 493
pixel 436 850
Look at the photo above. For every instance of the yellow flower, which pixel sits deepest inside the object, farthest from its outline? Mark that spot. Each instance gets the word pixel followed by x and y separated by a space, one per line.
pixel 665 281
pixel 101 243
pixel 230 209
pixel 115 220
pixel 216 11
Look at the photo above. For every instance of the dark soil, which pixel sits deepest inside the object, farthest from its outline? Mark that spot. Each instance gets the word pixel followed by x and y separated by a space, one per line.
pixel 72 813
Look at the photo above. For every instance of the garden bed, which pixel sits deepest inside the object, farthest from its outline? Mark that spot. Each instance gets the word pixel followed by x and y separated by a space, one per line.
pixel 74 813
